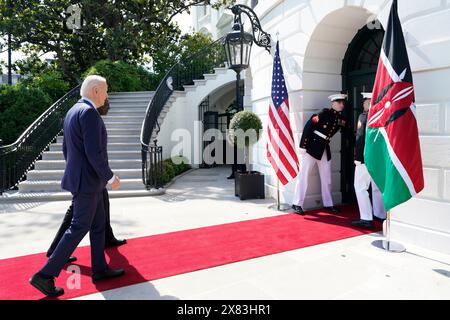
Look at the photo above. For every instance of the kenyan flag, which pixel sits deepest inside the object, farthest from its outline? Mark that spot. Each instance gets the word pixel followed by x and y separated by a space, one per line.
pixel 392 151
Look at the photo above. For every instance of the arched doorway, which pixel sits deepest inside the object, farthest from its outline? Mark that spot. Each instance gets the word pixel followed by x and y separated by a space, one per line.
pixel 358 75
pixel 335 58
pixel 215 112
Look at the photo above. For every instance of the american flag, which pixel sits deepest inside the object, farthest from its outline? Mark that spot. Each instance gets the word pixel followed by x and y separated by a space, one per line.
pixel 280 145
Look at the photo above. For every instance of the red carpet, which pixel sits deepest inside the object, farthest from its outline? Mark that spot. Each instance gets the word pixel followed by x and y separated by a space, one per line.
pixel 164 255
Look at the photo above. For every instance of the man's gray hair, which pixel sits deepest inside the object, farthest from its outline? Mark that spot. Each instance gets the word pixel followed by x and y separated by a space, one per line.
pixel 89 83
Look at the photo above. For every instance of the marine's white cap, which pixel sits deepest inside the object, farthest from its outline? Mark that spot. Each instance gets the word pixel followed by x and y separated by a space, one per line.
pixel 336 97
pixel 367 95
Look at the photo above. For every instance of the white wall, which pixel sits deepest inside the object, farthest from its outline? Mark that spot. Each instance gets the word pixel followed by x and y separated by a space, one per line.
pixel 314 35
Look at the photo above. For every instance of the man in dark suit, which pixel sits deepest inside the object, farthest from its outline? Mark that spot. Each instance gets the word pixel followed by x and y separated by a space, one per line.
pixel 110 239
pixel 86 175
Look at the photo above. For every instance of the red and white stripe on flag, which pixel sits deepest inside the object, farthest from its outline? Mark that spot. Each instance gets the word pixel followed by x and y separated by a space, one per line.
pixel 280 144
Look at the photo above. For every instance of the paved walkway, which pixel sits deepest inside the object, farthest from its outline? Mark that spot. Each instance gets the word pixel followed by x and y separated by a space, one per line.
pixel 348 269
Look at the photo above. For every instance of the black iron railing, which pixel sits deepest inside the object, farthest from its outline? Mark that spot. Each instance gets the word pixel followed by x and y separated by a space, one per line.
pixel 182 73
pixel 18 158
pixel 152 166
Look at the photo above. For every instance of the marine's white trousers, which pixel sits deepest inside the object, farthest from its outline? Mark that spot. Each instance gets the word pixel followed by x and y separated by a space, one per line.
pixel 362 182
pixel 306 165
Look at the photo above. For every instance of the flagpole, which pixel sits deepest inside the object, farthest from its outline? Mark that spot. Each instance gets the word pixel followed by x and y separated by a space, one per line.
pixel 389 245
pixel 278 194
pixel 282 207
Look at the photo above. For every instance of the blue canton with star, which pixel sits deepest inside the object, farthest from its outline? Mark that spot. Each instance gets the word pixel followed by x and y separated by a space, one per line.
pixel 279 90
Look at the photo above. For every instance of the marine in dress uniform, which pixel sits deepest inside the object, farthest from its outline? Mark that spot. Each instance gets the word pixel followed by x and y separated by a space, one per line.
pixel 362 177
pixel 315 149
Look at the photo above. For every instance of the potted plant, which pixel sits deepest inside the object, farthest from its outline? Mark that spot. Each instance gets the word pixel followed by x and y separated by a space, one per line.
pixel 245 130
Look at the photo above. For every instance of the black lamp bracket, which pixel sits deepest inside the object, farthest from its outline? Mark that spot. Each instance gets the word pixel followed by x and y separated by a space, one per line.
pixel 260 37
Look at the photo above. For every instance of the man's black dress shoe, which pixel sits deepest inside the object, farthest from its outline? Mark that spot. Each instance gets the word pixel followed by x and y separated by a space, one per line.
pixel 107 274
pixel 379 219
pixel 298 210
pixel 362 224
pixel 231 177
pixel 115 243
pixel 46 286
pixel 332 209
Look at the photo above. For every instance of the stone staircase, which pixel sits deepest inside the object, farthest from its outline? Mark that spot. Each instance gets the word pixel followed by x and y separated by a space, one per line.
pixel 123 124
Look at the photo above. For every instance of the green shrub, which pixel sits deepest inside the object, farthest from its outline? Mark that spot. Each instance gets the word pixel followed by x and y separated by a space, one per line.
pixel 20 106
pixel 245 121
pixel 173 167
pixel 122 76
pixel 180 165
pixel 51 83
pixel 149 81
pixel 168 171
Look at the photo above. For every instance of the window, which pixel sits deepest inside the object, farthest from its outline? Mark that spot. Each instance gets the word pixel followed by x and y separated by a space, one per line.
pixel 203 11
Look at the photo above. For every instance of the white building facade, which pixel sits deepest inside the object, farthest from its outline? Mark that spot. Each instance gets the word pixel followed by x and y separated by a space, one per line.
pixel 331 46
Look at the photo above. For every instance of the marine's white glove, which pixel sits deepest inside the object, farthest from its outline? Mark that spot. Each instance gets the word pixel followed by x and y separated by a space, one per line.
pixel 302 151
pixel 358 163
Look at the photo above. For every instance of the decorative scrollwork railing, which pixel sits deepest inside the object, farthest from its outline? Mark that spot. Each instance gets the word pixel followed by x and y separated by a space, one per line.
pixel 19 157
pixel 184 72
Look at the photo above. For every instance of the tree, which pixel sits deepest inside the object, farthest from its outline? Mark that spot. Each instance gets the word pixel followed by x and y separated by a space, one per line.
pixel 175 51
pixel 126 30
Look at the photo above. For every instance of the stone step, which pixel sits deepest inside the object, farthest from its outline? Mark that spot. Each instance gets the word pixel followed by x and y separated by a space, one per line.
pixel 129 100
pixel 121 138
pixel 122 118
pixel 221 70
pixel 200 82
pixel 125 106
pixel 128 106
pixel 123 112
pixel 122 122
pixel 125 98
pixel 189 88
pixel 44 175
pixel 55 185
pixel 178 94
pixel 118 93
pixel 118 125
pixel 210 76
pixel 118 132
pixel 112 155
pixel 133 95
pixel 129 103
pixel 114 164
pixel 112 146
